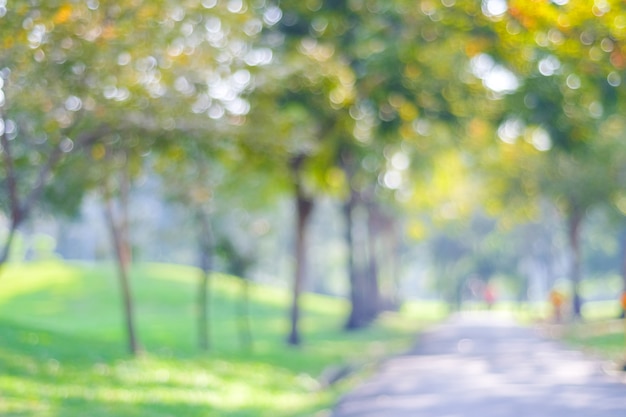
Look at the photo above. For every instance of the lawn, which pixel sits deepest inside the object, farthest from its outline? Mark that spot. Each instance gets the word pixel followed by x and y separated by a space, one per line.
pixel 605 338
pixel 63 350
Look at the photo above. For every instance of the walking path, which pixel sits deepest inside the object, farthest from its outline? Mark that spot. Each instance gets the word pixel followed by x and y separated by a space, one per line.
pixel 484 365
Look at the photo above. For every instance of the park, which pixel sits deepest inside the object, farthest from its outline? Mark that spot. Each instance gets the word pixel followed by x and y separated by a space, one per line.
pixel 266 208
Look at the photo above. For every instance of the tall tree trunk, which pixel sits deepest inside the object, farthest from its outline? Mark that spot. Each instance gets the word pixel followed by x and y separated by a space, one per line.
pixel 574 224
pixel 359 316
pixel 124 220
pixel 205 240
pixel 121 249
pixel 395 247
pixel 8 244
pixel 356 316
pixel 17 212
pixel 384 232
pixel 304 207
pixel 373 297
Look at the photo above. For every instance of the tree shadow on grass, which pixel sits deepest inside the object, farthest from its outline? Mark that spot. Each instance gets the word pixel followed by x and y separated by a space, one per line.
pixel 47 373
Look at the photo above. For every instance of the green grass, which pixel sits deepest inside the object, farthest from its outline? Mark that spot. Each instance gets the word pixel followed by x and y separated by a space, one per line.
pixel 605 337
pixel 63 350
pixel 610 345
pixel 599 332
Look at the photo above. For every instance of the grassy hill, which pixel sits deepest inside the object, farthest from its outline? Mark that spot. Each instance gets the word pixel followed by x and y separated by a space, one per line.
pixel 63 349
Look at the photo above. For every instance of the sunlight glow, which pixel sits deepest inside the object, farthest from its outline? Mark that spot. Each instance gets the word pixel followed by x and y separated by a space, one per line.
pixel 573 81
pixel 392 179
pixel 494 8
pixel 272 15
pixel 596 109
pixel 400 161
pixel 494 76
pixel 549 65
pixel 614 79
pixel 510 130
pixel 540 139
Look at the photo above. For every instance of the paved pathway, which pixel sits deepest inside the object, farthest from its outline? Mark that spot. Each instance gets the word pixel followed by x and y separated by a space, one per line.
pixel 482 365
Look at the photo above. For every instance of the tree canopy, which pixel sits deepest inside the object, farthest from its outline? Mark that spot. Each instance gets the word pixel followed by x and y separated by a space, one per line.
pixel 428 109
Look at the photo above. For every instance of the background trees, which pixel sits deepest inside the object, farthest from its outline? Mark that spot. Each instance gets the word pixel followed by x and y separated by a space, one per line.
pixel 565 57
pixel 402 113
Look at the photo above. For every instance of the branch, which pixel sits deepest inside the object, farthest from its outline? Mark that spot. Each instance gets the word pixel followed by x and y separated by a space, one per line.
pixel 89 138
pixel 84 140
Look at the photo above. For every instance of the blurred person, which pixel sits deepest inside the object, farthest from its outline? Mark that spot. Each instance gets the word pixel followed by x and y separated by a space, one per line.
pixel 557 300
pixel 489 295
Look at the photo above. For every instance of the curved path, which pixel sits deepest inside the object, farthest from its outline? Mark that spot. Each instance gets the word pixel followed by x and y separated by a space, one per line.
pixel 483 365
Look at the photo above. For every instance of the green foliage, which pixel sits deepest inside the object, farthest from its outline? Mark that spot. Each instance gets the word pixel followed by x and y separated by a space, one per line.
pixel 62 353
pixel 384 99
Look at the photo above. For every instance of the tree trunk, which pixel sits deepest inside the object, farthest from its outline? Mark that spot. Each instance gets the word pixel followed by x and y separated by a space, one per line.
pixel 373 297
pixel 359 316
pixel 394 244
pixel 16 211
pixel 123 262
pixel 124 221
pixel 8 243
pixel 574 224
pixel 304 207
pixel 204 289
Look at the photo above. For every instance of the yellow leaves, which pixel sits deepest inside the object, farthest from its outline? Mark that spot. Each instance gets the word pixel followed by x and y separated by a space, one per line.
pixel 417 230
pixel 494 206
pixel 515 154
pixel 109 32
pixel 51 125
pixel 175 154
pixel 8 42
pixel 335 178
pixel 563 21
pixel 147 12
pixel 98 151
pixel 479 133
pixel 63 14
pixel 341 96
pixel 475 46
pixel 407 132
pixel 412 72
pixel 518 14
pixel 406 110
pixel 453 192
pixel 315 50
pixel 533 15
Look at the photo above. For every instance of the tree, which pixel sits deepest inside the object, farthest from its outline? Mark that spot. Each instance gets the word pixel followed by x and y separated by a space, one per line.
pixel 117 220
pixel 295 96
pixel 413 98
pixel 189 175
pixel 116 81
pixel 567 94
pixel 376 74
